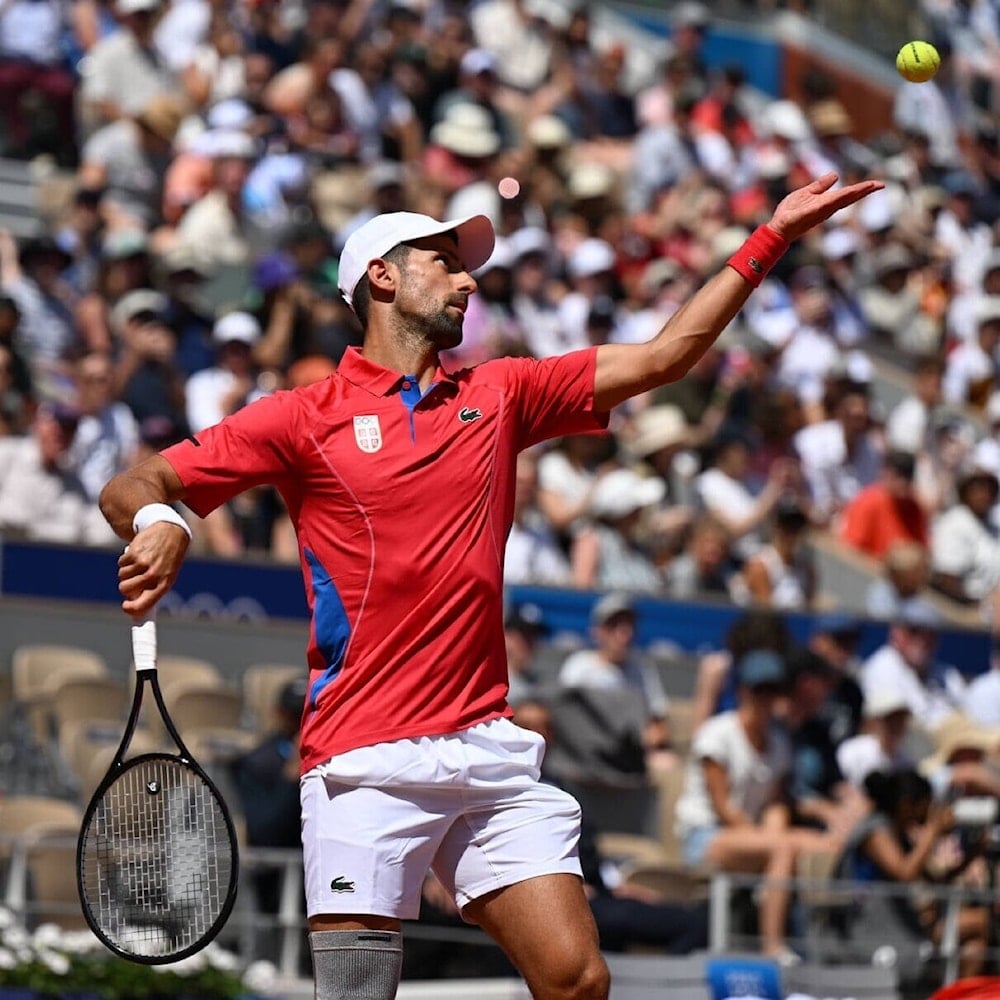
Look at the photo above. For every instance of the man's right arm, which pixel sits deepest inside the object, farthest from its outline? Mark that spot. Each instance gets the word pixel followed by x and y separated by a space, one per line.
pixel 150 564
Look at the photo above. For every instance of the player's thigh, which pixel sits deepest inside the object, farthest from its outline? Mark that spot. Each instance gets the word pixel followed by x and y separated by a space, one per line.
pixel 546 928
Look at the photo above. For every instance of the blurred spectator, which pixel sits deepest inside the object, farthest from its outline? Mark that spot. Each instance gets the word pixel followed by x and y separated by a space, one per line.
pixel 127 159
pixel 524 628
pixel 733 810
pixel 520 40
pixel 567 475
pixel 535 307
pixel 477 79
pixel 123 266
pixel 893 305
pixel 146 377
pixel 35 80
pixel 612 664
pixel 781 573
pixel 267 779
pixel 532 554
pixel 14 409
pixel 965 551
pixel 835 637
pixel 971 372
pixel 982 696
pixel 907 571
pixel 895 843
pixel 966 238
pixel 125 70
pixel 941 462
pixel 216 226
pixel 214 393
pixel 41 498
pixel 32 278
pixel 107 435
pixel 11 340
pixel 590 267
pixel 820 796
pixel 703 570
pixel 910 422
pixel 722 490
pixel 716 683
pixel 613 550
pixel 962 764
pixel 839 456
pixel 906 663
pixel 881 747
pixel 886 512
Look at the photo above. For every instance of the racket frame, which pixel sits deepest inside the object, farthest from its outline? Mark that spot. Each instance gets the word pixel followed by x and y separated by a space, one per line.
pixel 144 655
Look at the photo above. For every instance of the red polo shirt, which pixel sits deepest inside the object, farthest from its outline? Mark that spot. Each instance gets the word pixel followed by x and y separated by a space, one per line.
pixel 401 503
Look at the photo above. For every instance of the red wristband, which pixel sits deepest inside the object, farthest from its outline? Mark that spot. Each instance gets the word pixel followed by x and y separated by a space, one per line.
pixel 762 250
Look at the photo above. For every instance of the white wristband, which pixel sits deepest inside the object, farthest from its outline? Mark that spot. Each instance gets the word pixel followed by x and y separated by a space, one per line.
pixel 153 512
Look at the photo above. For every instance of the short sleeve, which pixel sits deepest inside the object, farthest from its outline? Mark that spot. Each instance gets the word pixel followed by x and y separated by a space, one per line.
pixel 710 742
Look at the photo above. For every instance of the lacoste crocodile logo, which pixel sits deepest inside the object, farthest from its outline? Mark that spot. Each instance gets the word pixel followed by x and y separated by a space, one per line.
pixel 467 416
pixel 341 884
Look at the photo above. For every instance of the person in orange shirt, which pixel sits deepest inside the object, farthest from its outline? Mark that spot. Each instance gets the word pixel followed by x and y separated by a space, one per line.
pixel 887 511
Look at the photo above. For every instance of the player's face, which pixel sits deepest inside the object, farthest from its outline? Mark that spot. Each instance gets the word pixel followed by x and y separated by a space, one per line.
pixel 434 291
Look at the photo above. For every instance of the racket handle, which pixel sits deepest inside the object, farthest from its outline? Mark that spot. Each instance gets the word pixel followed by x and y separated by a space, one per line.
pixel 144 643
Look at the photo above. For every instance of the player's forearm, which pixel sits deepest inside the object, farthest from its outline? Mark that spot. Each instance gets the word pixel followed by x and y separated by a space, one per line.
pixel 152 481
pixel 624 370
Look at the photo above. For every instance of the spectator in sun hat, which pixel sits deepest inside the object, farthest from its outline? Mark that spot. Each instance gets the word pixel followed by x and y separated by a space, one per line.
pixel 129 157
pixel 965 549
pixel 612 551
pixel 590 268
pixel 478 85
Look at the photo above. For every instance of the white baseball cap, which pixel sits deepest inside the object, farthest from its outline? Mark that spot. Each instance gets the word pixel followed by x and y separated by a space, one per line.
pixel 379 235
pixel 237 325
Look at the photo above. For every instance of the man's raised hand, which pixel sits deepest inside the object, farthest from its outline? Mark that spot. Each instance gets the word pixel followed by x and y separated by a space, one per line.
pixel 808 206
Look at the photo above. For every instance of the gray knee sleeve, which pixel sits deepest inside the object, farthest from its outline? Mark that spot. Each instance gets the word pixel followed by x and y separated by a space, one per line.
pixel 356 965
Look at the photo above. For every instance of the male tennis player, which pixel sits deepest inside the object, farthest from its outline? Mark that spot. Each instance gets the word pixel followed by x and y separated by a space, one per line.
pixel 399 477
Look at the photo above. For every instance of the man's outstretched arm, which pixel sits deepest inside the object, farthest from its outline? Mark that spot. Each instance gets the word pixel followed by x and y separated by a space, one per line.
pixel 624 370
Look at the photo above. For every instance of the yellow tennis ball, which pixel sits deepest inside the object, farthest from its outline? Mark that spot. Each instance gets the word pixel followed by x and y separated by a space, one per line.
pixel 918 61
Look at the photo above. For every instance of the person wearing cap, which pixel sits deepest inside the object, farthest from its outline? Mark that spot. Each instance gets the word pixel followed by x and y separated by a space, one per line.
pixel 214 393
pixel 611 664
pixel 886 512
pixel 732 812
pixel 398 476
pixel 965 549
pixel 478 84
pixel 612 550
pixel 533 301
pixel 906 663
pixel 881 746
pixel 703 570
pixel 125 69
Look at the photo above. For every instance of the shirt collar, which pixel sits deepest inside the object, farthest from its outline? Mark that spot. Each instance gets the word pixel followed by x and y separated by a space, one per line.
pixel 376 379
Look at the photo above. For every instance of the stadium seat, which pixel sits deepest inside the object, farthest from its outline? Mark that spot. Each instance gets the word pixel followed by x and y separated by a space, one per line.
pixel 680 715
pixel 197 707
pixel 88 746
pixel 262 683
pixel 96 698
pixel 39 669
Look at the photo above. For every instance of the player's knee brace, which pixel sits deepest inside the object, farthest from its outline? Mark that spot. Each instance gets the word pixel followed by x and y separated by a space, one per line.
pixel 356 965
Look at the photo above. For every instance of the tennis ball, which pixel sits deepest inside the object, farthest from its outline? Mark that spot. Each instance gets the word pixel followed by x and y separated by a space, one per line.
pixel 918 61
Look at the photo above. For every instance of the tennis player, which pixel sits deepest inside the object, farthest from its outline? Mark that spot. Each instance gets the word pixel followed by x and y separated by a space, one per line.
pixel 399 478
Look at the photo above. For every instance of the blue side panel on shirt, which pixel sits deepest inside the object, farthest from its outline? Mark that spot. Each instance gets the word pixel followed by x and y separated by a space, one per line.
pixel 330 624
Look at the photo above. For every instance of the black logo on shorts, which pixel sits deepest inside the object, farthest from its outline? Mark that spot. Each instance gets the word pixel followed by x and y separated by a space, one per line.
pixel 467 416
pixel 341 884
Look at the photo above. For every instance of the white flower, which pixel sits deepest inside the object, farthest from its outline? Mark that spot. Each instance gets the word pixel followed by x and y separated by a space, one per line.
pixel 55 961
pixel 189 966
pixel 16 938
pixel 260 976
pixel 47 936
pixel 80 942
pixel 219 958
pixel 8 960
pixel 7 918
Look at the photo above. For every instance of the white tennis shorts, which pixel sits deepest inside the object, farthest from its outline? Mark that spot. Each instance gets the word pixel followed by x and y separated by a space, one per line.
pixel 469 805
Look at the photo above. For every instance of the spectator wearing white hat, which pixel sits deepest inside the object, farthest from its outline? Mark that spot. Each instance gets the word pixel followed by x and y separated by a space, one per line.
pixel 982 697
pixel 214 393
pixel 217 225
pixel 125 70
pixel 533 302
pixel 478 85
pixel 971 369
pixel 590 268
pixel 611 552
pixel 880 747
pixel 533 554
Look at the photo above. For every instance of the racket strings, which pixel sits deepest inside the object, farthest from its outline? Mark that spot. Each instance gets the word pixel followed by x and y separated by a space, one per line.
pixel 157 859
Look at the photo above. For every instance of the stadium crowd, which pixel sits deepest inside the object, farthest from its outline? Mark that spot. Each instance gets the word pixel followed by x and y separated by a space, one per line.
pixel 223 150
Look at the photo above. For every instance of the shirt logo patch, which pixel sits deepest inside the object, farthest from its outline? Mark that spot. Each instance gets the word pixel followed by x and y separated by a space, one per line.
pixel 467 416
pixel 341 884
pixel 368 433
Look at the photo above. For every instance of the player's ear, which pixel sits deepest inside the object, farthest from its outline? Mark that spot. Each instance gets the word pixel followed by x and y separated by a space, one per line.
pixel 383 278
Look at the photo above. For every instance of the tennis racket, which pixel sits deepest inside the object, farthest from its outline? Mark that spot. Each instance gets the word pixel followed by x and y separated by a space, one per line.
pixel 157 861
